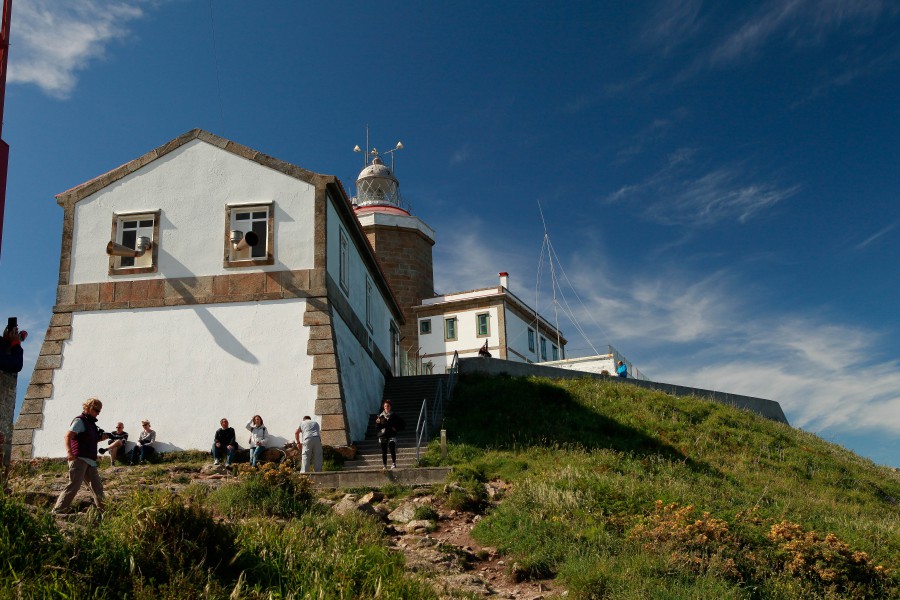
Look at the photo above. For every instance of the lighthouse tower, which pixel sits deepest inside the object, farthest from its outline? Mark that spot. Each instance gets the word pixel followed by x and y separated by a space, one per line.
pixel 402 242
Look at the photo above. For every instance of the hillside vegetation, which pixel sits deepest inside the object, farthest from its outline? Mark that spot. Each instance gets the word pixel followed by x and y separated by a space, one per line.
pixel 621 492
pixel 611 491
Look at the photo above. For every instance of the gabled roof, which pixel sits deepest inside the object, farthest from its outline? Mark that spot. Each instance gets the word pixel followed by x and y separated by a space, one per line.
pixel 342 203
pixel 87 188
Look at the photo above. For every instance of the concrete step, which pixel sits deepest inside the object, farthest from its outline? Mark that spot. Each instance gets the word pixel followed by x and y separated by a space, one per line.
pixel 376 477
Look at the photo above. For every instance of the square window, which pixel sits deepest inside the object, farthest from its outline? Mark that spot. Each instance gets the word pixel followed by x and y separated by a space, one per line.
pixel 250 235
pixel 483 324
pixel 424 326
pixel 132 231
pixel 450 329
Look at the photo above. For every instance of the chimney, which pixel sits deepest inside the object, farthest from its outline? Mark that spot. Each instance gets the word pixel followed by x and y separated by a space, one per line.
pixel 504 279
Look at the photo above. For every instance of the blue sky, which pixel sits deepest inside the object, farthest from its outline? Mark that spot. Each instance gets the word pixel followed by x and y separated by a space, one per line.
pixel 719 180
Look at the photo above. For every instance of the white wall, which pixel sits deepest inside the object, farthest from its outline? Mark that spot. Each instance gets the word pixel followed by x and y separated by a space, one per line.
pixel 517 339
pixel 589 364
pixel 184 368
pixel 191 186
pixel 467 341
pixel 381 315
pixel 361 379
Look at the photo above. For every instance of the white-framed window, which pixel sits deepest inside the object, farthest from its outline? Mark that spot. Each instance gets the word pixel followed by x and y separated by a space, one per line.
pixel 530 339
pixel 483 324
pixel 251 235
pixel 344 267
pixel 424 326
pixel 543 349
pixel 450 329
pixel 369 303
pixel 127 229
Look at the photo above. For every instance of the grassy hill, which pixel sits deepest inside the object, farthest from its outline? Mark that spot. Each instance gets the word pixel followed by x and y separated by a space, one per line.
pixel 614 491
pixel 626 493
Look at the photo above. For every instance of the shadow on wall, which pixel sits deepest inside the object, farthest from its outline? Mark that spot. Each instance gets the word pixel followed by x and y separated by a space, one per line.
pixel 223 338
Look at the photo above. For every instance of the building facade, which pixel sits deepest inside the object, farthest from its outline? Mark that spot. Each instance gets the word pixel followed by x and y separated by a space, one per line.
pixel 464 322
pixel 207 280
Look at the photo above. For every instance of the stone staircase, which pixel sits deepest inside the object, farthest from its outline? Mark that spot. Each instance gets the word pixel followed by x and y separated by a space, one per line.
pixel 406 395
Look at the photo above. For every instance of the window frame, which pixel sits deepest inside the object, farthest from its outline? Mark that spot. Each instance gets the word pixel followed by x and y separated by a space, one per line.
pixel 116 236
pixel 543 348
pixel 455 326
pixel 369 303
pixel 554 352
pixel 423 325
pixel 487 325
pixel 531 345
pixel 229 261
pixel 344 260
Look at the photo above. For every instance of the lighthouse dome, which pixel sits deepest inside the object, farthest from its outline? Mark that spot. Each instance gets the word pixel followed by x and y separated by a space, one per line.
pixel 376 186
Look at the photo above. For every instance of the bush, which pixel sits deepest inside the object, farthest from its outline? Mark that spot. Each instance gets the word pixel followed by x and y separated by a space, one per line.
pixel 27 542
pixel 155 539
pixel 271 491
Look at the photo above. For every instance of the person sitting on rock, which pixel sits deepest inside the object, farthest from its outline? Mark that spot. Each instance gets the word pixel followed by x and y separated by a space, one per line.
pixel 117 440
pixel 224 443
pixel 144 448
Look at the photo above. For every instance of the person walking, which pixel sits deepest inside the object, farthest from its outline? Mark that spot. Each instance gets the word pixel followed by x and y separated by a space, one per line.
pixel 389 423
pixel 309 437
pixel 225 443
pixel 258 435
pixel 81 454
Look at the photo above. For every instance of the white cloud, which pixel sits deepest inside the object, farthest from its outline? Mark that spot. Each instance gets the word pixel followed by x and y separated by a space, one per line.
pixel 804 22
pixel 52 41
pixel 712 331
pixel 877 235
pixel 672 197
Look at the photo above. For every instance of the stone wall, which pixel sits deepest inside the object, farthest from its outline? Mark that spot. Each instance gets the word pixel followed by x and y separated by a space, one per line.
pixel 492 366
pixel 405 257
pixel 7 408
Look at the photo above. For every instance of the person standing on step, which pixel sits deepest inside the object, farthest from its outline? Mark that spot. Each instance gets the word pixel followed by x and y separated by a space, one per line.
pixel 388 423
pixel 81 453
pixel 311 443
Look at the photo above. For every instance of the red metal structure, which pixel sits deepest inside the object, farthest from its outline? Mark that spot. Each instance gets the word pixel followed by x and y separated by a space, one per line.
pixel 4 147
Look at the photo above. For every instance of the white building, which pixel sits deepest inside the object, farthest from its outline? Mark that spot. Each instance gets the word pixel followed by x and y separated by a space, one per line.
pixel 196 328
pixel 464 321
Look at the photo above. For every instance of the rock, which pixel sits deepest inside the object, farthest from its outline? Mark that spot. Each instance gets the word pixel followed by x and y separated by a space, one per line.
pixel 420 525
pixel 346 505
pixel 372 497
pixel 403 513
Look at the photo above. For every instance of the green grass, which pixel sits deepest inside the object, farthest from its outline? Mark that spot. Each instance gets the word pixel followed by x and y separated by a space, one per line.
pixel 616 491
pixel 611 481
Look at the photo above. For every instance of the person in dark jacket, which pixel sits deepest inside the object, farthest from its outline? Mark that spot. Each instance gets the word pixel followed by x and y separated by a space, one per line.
pixel 225 443
pixel 388 423
pixel 81 453
pixel 11 354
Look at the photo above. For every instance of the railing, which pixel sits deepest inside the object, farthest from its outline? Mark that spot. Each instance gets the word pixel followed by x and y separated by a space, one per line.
pixel 442 394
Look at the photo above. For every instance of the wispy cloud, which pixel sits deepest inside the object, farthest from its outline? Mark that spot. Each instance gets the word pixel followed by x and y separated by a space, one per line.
pixel 53 41
pixel 672 24
pixel 460 155
pixel 672 196
pixel 877 235
pixel 804 22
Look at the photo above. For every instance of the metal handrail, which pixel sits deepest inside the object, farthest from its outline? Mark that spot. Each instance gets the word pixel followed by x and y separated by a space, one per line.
pixel 422 428
pixel 443 390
